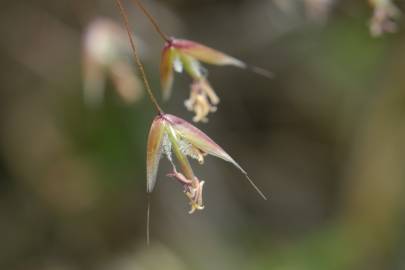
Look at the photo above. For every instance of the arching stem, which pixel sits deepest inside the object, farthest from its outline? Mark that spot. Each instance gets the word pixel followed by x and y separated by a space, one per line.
pixel 152 20
pixel 136 56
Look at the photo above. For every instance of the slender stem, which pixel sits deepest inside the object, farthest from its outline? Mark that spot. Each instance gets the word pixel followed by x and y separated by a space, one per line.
pixel 137 59
pixel 152 20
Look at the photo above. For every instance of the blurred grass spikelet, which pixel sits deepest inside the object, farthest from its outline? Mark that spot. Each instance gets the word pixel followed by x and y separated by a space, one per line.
pixel 384 17
pixel 105 56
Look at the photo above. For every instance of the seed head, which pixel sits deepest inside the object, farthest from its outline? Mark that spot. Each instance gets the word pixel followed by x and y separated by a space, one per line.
pixel 170 134
pixel 179 55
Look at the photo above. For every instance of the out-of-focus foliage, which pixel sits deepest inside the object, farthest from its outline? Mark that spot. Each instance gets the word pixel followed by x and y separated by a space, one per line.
pixel 325 138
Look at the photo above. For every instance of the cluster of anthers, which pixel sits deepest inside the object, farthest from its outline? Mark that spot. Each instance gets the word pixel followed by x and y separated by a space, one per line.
pixel 202 100
pixel 192 188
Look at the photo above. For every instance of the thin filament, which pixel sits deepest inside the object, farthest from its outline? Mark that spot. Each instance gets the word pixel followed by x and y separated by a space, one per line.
pixel 148 222
pixel 152 20
pixel 261 71
pixel 255 187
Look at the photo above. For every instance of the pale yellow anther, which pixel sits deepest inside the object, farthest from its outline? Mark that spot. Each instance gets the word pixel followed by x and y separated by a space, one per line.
pixel 194 194
pixel 202 100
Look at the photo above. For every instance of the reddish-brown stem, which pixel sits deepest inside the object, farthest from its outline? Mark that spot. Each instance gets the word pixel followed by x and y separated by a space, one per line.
pixel 136 56
pixel 152 20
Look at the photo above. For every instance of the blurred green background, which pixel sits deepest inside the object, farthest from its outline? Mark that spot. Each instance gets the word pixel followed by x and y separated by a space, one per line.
pixel 324 138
